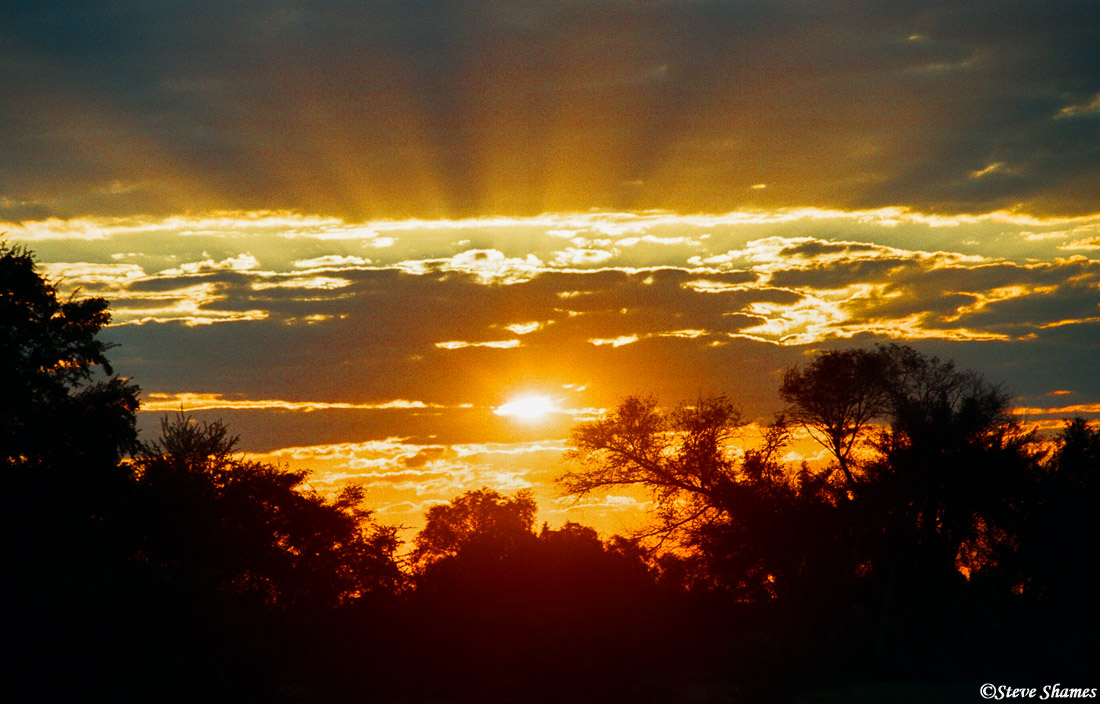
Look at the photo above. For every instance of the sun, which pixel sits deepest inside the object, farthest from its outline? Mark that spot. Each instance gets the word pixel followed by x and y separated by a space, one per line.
pixel 529 409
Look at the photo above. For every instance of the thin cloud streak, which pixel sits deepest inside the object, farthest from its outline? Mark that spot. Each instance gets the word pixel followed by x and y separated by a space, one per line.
pixel 189 401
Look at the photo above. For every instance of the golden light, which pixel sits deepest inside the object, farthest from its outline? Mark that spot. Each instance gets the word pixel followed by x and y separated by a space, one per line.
pixel 529 409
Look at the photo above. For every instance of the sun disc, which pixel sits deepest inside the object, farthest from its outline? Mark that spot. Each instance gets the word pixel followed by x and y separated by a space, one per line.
pixel 528 408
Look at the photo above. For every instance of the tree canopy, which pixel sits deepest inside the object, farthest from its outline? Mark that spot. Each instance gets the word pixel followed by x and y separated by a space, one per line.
pixel 65 420
pixel 52 406
pixel 836 397
pixel 217 520
pixel 482 519
pixel 940 459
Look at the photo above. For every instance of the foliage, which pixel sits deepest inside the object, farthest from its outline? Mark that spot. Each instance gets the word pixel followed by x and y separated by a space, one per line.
pixel 836 397
pixel 482 519
pixel 502 611
pixel 942 459
pixel 217 520
pixel 1058 518
pixel 51 406
pixel 65 422
pixel 682 457
pixel 884 398
pixel 739 511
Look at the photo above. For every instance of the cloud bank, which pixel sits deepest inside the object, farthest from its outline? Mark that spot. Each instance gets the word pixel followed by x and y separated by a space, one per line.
pixel 464 108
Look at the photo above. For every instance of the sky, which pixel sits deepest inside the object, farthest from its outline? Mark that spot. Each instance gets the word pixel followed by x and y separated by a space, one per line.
pixel 357 232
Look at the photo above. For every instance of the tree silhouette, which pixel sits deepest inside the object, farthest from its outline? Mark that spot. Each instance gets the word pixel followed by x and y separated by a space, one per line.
pixel 502 613
pixel 243 578
pixel 220 522
pixel 481 520
pixel 760 529
pixel 836 397
pixel 944 458
pixel 1058 520
pixel 62 429
pixel 944 461
pixel 951 462
pixel 66 422
pixel 681 457
pixel 180 569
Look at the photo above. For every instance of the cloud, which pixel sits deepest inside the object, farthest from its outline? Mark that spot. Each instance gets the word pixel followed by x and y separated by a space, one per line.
pixel 108 276
pixel 330 342
pixel 241 262
pixel 489 265
pixel 407 478
pixel 496 344
pixel 366 112
pixel 527 328
pixel 1092 107
pixel 189 401
pixel 303 216
pixel 1088 243
pixel 332 261
pixel 614 342
pixel 573 256
pixel 787 253
pixel 775 289
pixel 1079 409
pixel 326 283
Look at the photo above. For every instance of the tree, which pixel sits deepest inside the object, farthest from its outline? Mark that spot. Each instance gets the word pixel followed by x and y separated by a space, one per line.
pixel 951 461
pixel 757 526
pixel 681 458
pixel 66 423
pixel 175 569
pixel 836 397
pixel 1052 560
pixel 65 419
pixel 944 459
pixel 944 452
pixel 220 523
pixel 502 611
pixel 51 405
pixel 481 520
pixel 938 496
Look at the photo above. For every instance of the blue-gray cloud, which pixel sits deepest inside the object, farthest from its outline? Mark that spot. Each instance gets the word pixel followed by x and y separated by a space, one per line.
pixel 397 108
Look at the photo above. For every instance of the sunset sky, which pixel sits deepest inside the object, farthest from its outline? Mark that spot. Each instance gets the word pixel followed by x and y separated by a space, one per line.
pixel 358 231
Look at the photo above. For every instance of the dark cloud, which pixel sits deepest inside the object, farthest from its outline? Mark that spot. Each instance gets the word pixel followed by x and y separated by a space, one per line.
pixel 427 109
pixel 386 334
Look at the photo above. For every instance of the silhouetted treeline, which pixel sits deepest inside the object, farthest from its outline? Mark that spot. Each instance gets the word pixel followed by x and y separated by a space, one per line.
pixel 941 543
pixel 942 540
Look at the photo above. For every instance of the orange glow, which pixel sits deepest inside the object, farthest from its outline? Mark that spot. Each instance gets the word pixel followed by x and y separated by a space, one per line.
pixel 529 409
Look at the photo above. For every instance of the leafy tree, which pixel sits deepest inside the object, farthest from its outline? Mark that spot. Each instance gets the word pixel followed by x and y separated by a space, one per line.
pixel 944 453
pixel 1051 560
pixel 944 459
pixel 51 406
pixel 681 457
pixel 65 420
pixel 221 523
pixel 951 463
pixel 836 397
pixel 510 614
pixel 936 495
pixel 185 573
pixel 66 423
pixel 759 528
pixel 481 520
